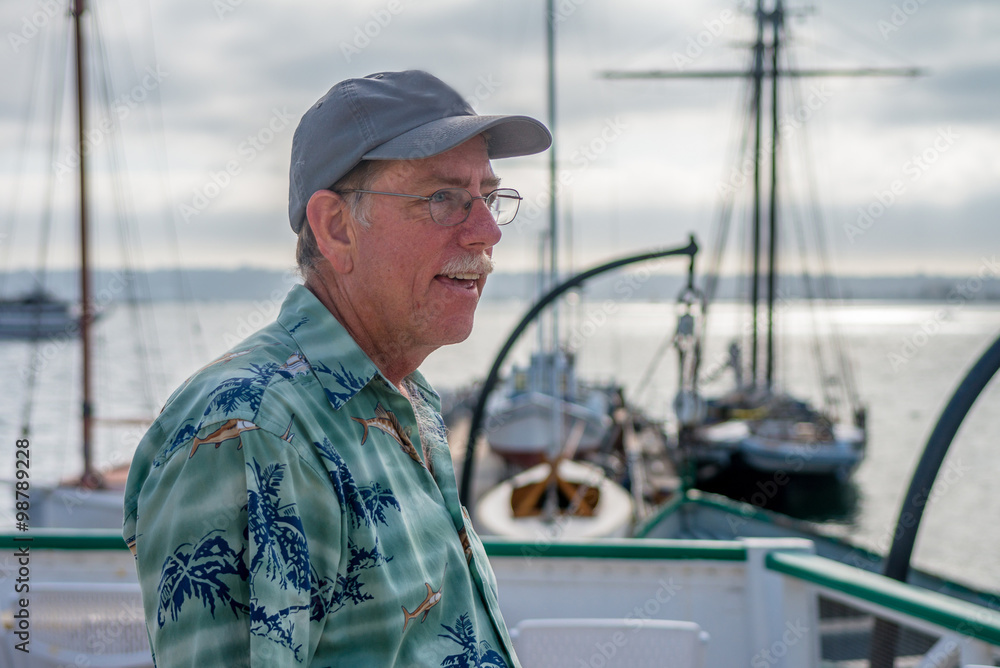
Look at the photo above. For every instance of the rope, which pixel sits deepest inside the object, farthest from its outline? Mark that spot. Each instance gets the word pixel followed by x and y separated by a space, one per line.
pixel 135 285
pixel 723 223
pixel 195 334
pixel 798 225
pixel 828 281
pixel 58 49
pixel 10 224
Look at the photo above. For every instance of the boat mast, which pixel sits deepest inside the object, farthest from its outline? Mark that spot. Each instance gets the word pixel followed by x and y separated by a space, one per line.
pixel 550 58
pixel 89 476
pixel 777 17
pixel 757 73
pixel 758 82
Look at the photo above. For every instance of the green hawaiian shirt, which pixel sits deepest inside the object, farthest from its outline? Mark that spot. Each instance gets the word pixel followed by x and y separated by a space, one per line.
pixel 286 510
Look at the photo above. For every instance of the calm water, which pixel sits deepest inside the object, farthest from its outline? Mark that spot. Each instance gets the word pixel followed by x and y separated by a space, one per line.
pixel 908 359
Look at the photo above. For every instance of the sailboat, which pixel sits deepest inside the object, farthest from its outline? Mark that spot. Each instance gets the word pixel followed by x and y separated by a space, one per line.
pixel 94 497
pixel 757 423
pixel 540 404
pixel 36 314
pixel 544 416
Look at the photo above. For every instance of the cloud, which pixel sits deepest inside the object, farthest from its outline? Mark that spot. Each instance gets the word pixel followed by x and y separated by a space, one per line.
pixel 229 70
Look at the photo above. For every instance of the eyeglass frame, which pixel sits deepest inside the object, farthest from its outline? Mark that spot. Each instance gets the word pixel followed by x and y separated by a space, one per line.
pixel 427 198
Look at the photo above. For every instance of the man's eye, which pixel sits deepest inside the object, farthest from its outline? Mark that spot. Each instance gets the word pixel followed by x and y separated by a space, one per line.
pixel 443 196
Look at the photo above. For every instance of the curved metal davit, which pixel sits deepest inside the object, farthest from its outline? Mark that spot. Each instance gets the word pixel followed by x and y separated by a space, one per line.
pixel 897 563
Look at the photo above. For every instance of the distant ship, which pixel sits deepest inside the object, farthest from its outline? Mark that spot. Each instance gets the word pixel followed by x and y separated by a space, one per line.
pixel 36 315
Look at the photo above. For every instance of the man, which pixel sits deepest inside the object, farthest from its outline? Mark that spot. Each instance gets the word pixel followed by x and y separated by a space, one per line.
pixel 295 502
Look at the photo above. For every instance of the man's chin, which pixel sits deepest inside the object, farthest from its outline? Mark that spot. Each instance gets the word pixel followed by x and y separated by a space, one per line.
pixel 456 332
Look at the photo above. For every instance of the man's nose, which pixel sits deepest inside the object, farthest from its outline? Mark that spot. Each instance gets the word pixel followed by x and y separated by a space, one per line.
pixel 480 228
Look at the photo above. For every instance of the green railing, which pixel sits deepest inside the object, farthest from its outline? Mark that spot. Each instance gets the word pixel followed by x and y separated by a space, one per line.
pixel 955 615
pixel 965 618
pixel 622 548
pixel 64 539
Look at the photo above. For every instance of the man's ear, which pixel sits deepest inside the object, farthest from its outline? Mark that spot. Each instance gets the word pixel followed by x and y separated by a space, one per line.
pixel 334 228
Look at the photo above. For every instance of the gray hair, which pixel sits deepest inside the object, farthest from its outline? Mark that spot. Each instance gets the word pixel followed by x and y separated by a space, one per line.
pixel 362 177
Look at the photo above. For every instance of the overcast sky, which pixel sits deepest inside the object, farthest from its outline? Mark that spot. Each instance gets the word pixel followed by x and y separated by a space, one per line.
pixel 203 87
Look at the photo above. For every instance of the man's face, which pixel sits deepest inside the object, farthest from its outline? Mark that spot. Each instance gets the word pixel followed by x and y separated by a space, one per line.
pixel 401 289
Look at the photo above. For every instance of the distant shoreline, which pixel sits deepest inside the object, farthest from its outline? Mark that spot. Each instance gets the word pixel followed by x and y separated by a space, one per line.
pixel 251 283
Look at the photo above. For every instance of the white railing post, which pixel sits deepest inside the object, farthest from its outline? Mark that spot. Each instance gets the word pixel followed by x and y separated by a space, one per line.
pixel 784 628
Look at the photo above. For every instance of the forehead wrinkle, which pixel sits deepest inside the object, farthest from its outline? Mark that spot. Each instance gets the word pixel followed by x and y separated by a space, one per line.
pixel 492 181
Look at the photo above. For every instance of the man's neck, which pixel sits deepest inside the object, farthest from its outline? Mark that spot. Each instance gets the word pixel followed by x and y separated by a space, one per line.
pixel 392 358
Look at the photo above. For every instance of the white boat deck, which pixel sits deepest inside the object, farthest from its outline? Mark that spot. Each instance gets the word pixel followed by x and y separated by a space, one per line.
pixel 750 602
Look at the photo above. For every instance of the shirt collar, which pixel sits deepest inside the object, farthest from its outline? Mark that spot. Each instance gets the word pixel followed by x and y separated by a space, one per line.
pixel 343 369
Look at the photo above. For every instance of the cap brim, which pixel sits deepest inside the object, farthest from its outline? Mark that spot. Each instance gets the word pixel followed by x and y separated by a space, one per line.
pixel 510 136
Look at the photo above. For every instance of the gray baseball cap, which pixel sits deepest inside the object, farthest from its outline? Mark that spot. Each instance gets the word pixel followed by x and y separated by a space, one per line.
pixel 393 116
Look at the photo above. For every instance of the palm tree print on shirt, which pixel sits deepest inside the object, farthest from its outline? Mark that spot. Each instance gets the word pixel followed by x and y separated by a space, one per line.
pixel 277 530
pixel 201 571
pixel 365 506
pixel 475 653
pixel 234 392
pixel 347 380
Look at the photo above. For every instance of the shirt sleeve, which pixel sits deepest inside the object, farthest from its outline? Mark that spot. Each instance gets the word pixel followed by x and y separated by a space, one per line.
pixel 238 542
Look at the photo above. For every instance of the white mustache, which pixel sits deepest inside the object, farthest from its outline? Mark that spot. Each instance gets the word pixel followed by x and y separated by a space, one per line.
pixel 481 264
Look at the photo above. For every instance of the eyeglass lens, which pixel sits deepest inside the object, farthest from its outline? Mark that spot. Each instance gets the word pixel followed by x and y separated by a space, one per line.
pixel 451 206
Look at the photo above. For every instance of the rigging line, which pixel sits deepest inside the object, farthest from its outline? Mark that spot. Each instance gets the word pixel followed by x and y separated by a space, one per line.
pixel 31 101
pixel 135 284
pixel 798 227
pixel 59 50
pixel 720 235
pixel 864 41
pixel 724 220
pixel 829 399
pixel 725 215
pixel 721 232
pixel 828 281
pixel 744 279
pixel 195 334
pixel 817 350
pixel 55 129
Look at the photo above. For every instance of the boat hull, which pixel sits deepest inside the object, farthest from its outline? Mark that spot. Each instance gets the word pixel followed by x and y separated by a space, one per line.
pixel 530 427
pixel 35 318
pixel 612 518
pixel 838 457
pixel 736 441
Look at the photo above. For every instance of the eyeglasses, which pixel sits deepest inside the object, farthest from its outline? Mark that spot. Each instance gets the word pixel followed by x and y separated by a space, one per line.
pixel 451 206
